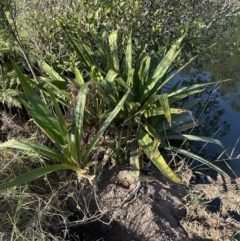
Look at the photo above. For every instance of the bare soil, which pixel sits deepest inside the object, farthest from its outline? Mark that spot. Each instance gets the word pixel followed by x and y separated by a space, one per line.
pixel 142 211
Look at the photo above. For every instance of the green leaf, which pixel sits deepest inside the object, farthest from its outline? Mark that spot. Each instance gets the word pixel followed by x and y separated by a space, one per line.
pixel 145 71
pixel 71 153
pixel 79 116
pixel 122 83
pixel 134 158
pixel 159 111
pixel 132 108
pixel 177 122
pixel 179 97
pixel 112 79
pixel 104 126
pixel 34 174
pixel 163 99
pixel 50 71
pixel 61 122
pixel 128 71
pixel 192 103
pixel 193 87
pixel 187 126
pixel 108 90
pixel 47 122
pixel 198 158
pixel 59 86
pixel 35 148
pixel 167 60
pixel 163 83
pixel 141 71
pixel 162 67
pixel 150 131
pixel 111 76
pixel 114 49
pixel 42 116
pixel 151 150
pixel 79 78
pixel 196 138
pixel 189 90
pixel 149 103
pixel 86 56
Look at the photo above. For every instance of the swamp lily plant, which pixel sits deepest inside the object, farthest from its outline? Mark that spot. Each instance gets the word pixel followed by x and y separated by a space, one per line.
pixel 147 111
pixel 134 90
pixel 69 154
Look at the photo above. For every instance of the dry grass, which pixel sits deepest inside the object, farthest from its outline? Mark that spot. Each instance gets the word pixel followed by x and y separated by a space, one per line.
pixel 201 223
pixel 44 209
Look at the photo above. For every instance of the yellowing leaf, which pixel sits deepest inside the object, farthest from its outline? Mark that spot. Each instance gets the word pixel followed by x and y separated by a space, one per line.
pixel 155 156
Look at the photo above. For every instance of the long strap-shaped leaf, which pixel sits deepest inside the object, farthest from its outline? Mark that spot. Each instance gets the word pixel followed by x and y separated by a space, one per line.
pixel 195 138
pixel 162 67
pixel 88 59
pixel 163 99
pixel 179 97
pixel 79 78
pixel 36 173
pixel 35 148
pixel 114 49
pixel 128 70
pixel 50 71
pixel 161 83
pixel 159 111
pixel 193 87
pixel 134 158
pixel 104 126
pixel 79 116
pixel 39 111
pixel 59 86
pixel 177 122
pixel 200 159
pixel 155 156
pixel 61 122
pixel 142 73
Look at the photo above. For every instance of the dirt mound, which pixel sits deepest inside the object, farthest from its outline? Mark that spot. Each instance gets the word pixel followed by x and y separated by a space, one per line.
pixel 143 211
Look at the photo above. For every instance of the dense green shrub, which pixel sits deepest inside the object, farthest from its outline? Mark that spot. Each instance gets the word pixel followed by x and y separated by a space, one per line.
pixel 157 23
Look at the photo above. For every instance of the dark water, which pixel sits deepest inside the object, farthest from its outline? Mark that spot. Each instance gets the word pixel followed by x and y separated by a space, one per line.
pixel 229 96
pixel 220 118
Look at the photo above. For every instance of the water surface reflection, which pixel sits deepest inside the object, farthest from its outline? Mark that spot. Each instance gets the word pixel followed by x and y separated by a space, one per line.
pixel 219 114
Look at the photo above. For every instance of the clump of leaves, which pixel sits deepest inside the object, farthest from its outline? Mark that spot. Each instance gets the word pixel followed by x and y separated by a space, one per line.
pixel 147 113
pixel 71 152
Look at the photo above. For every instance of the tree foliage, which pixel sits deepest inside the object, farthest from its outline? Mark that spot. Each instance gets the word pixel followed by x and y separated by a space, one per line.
pixel 158 23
